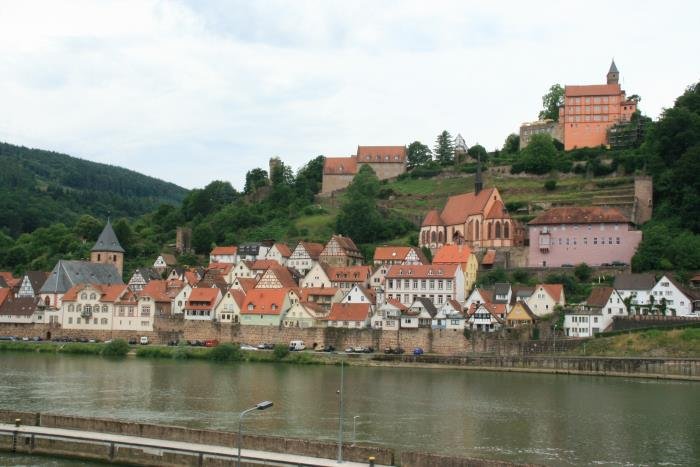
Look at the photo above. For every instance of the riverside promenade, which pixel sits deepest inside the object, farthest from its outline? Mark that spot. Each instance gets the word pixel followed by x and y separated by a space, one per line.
pixel 198 454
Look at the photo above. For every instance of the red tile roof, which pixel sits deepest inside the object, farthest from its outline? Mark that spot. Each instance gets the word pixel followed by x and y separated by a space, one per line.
pixel 4 293
pixel 580 215
pixel 452 254
pixel 224 250
pixel 161 290
pixel 238 296
pixel 397 304
pixel 554 290
pixel 599 296
pixel 283 275
pixel 349 273
pixel 306 292
pixel 345 243
pixel 432 218
pixel 108 293
pixel 264 264
pixel 264 301
pixel 458 208
pixel 349 312
pixel 592 90
pixel 379 153
pixel 247 283
pixel 340 166
pixel 284 250
pixel 391 253
pixel 222 268
pixel 422 271
pixel 202 298
pixel 497 211
pixel 313 249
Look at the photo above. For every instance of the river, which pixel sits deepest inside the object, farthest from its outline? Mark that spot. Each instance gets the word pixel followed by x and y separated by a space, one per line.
pixel 539 418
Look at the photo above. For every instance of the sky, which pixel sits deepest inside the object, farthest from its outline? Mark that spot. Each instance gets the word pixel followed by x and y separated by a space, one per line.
pixel 195 91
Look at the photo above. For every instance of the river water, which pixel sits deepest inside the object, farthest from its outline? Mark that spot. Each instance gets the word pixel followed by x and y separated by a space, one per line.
pixel 539 418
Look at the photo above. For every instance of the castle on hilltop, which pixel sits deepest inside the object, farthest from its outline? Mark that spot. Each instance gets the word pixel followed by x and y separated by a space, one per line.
pixel 386 161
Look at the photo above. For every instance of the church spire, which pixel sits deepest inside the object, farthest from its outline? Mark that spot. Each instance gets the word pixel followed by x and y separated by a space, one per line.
pixel 478 182
pixel 108 241
pixel 613 75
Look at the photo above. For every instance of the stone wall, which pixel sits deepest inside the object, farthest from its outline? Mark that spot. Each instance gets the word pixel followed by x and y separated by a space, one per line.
pixel 622 323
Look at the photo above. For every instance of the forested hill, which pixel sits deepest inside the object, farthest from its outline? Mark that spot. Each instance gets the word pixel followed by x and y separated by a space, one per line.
pixel 39 188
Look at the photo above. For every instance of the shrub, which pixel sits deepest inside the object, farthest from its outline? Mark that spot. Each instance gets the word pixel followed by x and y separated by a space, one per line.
pixel 550 185
pixel 280 351
pixel 82 349
pixel 226 353
pixel 154 352
pixel 116 348
pixel 583 272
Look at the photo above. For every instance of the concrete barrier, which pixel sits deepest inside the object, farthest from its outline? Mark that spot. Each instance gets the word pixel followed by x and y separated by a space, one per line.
pixel 426 459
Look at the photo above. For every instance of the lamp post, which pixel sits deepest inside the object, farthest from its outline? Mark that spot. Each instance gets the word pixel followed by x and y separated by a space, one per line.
pixel 260 406
pixel 354 429
pixel 554 337
pixel 340 414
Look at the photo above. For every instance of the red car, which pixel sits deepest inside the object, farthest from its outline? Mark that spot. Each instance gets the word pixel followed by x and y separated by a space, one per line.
pixel 211 343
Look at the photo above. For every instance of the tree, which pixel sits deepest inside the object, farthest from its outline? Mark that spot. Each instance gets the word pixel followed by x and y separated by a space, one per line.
pixel 539 157
pixel 477 151
pixel 88 228
pixel 124 233
pixel 418 154
pixel 202 238
pixel 583 272
pixel 444 148
pixel 551 103
pixel 512 144
pixel 309 178
pixel 255 179
pixel 359 217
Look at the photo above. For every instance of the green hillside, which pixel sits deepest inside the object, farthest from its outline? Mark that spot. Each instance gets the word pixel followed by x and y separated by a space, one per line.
pixel 39 188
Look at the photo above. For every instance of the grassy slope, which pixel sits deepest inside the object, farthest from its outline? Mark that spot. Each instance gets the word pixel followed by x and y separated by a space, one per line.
pixel 652 343
pixel 414 198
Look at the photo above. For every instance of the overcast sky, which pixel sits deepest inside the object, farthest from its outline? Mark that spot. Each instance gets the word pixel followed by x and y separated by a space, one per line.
pixel 192 91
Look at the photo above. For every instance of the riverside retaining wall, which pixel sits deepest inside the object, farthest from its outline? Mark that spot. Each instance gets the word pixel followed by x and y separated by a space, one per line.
pixel 670 368
pixel 23 443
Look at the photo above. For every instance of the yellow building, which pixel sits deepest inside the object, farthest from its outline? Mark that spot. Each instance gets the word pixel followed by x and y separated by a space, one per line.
pixel 464 257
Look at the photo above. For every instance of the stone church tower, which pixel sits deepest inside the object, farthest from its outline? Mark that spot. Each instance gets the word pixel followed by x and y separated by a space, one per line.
pixel 613 75
pixel 107 249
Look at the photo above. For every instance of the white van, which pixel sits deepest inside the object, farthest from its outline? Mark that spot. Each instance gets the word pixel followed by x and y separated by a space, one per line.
pixel 297 345
pixel 144 340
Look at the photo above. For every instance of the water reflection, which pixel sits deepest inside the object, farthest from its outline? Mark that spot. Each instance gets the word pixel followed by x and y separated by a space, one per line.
pixel 525 417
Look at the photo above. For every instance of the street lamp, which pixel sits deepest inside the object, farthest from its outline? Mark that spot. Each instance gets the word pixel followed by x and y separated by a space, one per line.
pixel 354 426
pixel 340 414
pixel 554 336
pixel 260 406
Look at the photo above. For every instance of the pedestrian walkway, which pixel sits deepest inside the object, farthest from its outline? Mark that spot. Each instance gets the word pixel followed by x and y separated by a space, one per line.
pixel 175 446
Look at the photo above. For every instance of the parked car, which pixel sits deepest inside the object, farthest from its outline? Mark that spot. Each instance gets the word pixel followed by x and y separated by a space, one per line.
pixel 369 349
pixel 132 341
pixel 248 347
pixel 8 338
pixel 173 342
pixel 296 345
pixel 399 350
pixel 349 350
pixel 327 348
pixel 359 349
pixel 37 339
pixel 211 343
pixel 143 340
pixel 418 351
pixel 266 346
pixel 25 338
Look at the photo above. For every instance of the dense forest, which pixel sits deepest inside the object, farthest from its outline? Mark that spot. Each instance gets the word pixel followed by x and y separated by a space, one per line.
pixel 39 188
pixel 271 202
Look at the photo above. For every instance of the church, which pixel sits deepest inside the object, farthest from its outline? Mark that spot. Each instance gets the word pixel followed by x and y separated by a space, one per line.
pixel 478 220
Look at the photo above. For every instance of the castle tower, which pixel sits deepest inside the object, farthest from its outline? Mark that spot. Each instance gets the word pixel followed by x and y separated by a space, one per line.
pixel 613 75
pixel 107 249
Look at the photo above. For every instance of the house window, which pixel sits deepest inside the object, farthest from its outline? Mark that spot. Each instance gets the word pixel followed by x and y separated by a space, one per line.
pixel 103 321
pixel 70 320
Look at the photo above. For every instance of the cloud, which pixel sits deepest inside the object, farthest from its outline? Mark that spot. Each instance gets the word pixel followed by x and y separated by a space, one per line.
pixel 201 90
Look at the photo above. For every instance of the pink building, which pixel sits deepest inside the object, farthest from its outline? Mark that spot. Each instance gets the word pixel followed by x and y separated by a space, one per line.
pixel 573 235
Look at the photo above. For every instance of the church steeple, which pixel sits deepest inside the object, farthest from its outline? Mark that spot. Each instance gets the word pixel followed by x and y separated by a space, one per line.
pixel 107 249
pixel 613 75
pixel 478 182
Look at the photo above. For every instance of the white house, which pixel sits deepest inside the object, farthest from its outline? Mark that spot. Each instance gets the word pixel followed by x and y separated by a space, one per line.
pixel 439 283
pixel 388 316
pixel 224 254
pixel 449 316
pixel 304 256
pixel 670 297
pixel 478 296
pixel 635 288
pixel 545 298
pixel 228 310
pixel 316 277
pixel 180 299
pixel 280 253
pixel 596 314
pixel 485 317
pixel 359 294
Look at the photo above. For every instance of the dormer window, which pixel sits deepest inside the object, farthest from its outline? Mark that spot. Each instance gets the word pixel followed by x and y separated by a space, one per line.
pixel 251 307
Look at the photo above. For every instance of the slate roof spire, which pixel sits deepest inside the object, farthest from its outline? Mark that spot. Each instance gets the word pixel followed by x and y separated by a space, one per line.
pixel 108 241
pixel 613 68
